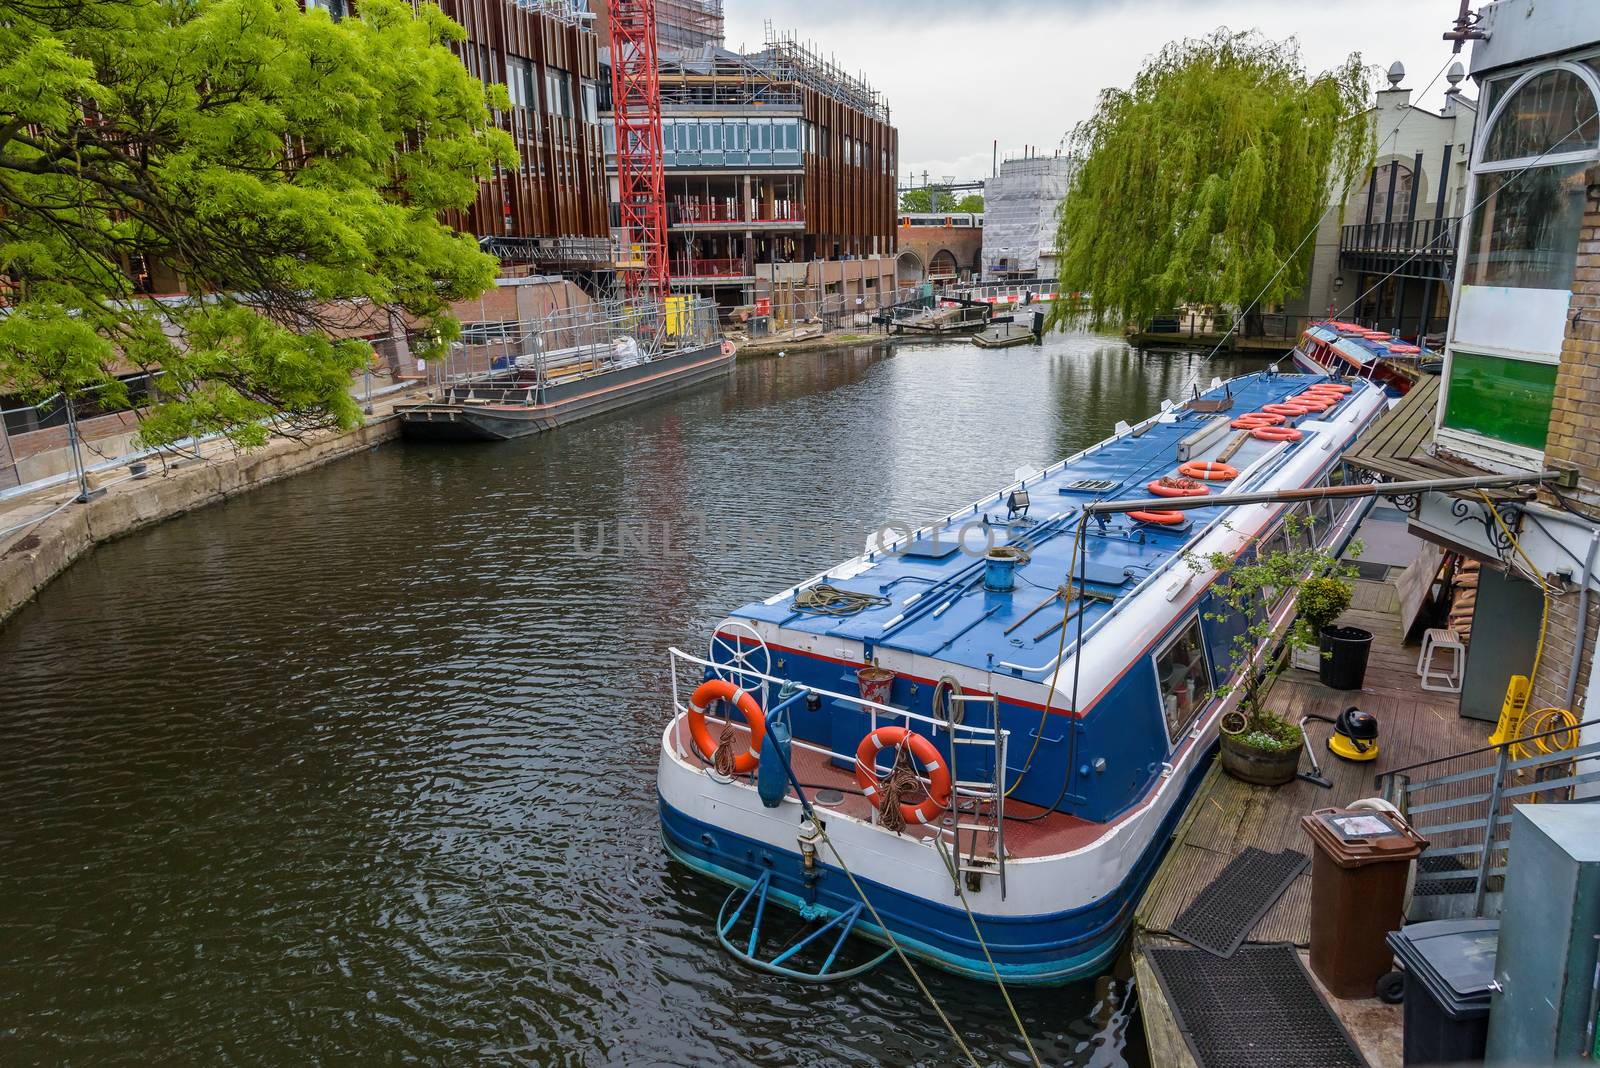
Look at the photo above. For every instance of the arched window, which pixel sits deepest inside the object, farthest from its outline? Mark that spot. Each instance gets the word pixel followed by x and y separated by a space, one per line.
pixel 1537 144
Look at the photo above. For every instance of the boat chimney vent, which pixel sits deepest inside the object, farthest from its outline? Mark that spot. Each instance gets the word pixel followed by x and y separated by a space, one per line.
pixel 1000 568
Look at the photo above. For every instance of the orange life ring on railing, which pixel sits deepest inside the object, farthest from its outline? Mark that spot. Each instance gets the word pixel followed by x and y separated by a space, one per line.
pixel 1251 420
pixel 1160 519
pixel 1276 433
pixel 1207 471
pixel 722 689
pixel 1177 487
pixel 1287 408
pixel 932 766
pixel 729 348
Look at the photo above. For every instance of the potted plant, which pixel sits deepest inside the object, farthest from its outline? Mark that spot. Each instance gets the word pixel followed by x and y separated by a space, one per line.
pixel 1258 744
pixel 1320 600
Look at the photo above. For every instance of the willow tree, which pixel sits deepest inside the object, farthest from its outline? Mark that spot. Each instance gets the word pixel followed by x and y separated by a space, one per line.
pixel 1202 183
pixel 280 169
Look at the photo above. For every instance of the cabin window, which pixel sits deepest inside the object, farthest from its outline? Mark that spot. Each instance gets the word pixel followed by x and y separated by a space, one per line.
pixel 1184 678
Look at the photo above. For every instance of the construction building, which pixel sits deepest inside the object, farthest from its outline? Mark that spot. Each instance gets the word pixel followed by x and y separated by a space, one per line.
pixel 550 211
pixel 779 170
pixel 1020 205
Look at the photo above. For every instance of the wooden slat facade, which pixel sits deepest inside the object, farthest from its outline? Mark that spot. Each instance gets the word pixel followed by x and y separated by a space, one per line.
pixel 848 206
pixel 559 190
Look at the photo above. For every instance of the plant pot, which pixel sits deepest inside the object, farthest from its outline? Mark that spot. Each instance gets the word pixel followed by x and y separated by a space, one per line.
pixel 1258 766
pixel 1344 657
pixel 1306 659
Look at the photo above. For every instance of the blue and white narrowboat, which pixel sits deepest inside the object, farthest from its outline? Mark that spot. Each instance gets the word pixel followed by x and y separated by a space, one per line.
pixel 998 718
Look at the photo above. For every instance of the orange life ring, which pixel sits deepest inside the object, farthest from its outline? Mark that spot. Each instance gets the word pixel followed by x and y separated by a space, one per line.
pixel 722 689
pixel 1313 403
pixel 1276 433
pixel 1177 487
pixel 1334 387
pixel 932 766
pixel 1251 420
pixel 1288 408
pixel 1207 471
pixel 1160 519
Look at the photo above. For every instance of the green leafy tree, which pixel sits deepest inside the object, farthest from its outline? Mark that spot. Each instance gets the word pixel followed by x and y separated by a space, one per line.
pixel 921 200
pixel 286 170
pixel 1200 181
pixel 1248 585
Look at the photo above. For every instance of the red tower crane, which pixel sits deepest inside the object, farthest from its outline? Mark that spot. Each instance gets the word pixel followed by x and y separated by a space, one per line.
pixel 636 106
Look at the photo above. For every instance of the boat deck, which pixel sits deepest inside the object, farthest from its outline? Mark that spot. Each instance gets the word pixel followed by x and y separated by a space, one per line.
pixel 931 600
pixel 1029 830
pixel 1227 816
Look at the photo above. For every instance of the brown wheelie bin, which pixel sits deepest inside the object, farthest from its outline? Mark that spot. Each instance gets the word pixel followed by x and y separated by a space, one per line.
pixel 1358 891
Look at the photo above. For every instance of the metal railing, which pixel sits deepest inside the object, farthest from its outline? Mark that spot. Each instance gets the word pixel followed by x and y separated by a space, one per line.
pixel 686 267
pixel 573 343
pixel 1421 237
pixel 1468 810
pixel 774 693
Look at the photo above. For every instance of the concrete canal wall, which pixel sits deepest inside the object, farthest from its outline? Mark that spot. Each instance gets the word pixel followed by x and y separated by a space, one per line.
pixel 31 557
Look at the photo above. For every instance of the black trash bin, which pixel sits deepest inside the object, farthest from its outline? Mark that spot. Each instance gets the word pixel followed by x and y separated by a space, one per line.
pixel 1344 657
pixel 1449 965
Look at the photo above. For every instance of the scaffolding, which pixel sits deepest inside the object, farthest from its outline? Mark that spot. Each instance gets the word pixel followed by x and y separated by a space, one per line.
pixel 688 25
pixel 1019 215
pixel 717 77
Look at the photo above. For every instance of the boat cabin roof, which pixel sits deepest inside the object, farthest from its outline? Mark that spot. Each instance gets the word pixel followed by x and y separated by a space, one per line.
pixel 928 591
pixel 1357 344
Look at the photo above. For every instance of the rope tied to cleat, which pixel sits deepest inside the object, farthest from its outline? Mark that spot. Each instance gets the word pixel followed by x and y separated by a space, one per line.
pixel 828 600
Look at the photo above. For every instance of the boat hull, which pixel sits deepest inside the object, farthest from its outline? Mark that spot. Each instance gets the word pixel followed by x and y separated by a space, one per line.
pixel 565 403
pixel 1062 919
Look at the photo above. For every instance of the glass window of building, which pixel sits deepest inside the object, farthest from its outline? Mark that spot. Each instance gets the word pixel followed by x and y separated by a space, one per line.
pixel 591 102
pixel 1538 136
pixel 1183 679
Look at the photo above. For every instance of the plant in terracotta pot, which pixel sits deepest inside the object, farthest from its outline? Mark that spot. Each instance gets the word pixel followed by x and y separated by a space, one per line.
pixel 1259 745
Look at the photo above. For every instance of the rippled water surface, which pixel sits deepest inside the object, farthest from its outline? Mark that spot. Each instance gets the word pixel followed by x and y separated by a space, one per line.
pixel 361 766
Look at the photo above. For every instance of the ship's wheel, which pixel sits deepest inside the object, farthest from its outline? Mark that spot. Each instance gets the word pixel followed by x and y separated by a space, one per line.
pixel 739 655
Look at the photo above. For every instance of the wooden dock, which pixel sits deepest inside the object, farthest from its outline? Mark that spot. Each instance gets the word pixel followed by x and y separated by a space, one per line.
pixel 1226 816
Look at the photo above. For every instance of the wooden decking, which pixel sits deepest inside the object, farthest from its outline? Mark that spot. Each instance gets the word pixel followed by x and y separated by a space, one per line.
pixel 1227 816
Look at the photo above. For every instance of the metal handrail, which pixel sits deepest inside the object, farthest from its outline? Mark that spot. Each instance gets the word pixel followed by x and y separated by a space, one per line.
pixel 1377 780
pixel 995 737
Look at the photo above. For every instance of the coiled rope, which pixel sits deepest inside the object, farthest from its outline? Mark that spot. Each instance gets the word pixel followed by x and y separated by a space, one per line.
pixel 827 600
pixel 901 780
pixel 723 759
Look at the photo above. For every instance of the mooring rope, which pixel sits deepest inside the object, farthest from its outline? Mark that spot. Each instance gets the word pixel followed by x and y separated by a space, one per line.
pixel 826 600
pixel 722 760
pixel 1016 1018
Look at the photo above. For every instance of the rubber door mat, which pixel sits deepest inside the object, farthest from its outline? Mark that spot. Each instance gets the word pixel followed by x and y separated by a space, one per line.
pixel 1228 910
pixel 1255 1009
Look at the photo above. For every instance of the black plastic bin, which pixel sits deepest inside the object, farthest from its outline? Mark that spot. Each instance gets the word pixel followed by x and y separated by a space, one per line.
pixel 1449 965
pixel 1344 657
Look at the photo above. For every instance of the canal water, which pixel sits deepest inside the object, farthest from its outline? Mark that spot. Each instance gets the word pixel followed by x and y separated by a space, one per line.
pixel 361 766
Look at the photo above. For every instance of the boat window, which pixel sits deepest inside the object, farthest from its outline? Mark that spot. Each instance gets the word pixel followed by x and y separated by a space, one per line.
pixel 1275 543
pixel 1184 678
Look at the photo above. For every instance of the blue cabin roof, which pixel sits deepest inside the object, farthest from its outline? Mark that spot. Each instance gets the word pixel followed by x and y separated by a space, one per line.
pixel 936 604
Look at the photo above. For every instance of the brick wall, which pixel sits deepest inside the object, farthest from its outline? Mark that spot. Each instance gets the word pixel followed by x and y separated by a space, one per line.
pixel 1574 440
pixel 1573 437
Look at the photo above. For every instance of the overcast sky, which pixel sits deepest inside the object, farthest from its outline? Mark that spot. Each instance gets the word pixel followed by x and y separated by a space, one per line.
pixel 958 75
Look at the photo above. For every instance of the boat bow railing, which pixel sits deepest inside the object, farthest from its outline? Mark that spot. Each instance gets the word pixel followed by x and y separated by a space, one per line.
pixel 976 815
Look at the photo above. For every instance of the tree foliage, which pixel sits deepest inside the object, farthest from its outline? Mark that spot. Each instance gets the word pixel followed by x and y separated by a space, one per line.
pixel 1196 184
pixel 284 167
pixel 921 200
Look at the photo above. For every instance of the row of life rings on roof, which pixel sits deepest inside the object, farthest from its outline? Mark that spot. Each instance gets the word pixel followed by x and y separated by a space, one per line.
pixel 1264 425
pixel 888 737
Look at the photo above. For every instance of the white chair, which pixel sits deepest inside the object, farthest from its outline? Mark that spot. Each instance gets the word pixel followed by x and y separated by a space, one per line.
pixel 1445 677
